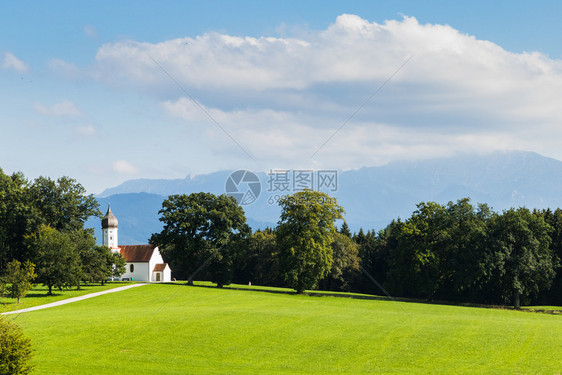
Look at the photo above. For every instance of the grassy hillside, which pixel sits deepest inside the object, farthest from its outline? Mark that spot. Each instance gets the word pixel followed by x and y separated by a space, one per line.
pixel 176 329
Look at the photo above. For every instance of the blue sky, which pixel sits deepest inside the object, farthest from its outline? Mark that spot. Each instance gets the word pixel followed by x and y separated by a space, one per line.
pixel 97 90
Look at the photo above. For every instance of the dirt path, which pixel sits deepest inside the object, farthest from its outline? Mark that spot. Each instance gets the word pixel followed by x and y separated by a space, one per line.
pixel 73 299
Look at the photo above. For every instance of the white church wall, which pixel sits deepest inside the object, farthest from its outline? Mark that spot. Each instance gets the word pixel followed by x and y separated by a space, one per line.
pixel 140 272
pixel 167 274
pixel 154 260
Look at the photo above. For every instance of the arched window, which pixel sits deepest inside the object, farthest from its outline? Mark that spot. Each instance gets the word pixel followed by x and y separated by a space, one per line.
pixel 132 268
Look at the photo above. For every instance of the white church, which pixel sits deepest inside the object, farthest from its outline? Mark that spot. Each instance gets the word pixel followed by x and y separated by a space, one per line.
pixel 143 262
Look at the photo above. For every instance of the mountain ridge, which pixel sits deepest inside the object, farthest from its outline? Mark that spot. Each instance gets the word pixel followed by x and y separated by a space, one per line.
pixel 371 196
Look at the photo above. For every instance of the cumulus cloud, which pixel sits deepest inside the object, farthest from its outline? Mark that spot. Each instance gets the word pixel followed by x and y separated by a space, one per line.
pixel 12 62
pixel 66 108
pixel 283 97
pixel 123 166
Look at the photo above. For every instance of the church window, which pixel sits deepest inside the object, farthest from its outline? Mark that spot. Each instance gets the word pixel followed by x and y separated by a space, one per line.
pixel 132 268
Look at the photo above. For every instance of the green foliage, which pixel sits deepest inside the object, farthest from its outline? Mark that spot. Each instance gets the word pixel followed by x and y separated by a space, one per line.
pixel 15 349
pixel 58 264
pixel 202 229
pixel 345 230
pixel 518 255
pixel 438 251
pixel 62 204
pixel 304 237
pixel 374 250
pixel 96 264
pixel 25 206
pixel 261 262
pixel 461 269
pixel 345 263
pixel 16 217
pixel 19 278
pixel 415 263
pixel 118 263
pixel 553 295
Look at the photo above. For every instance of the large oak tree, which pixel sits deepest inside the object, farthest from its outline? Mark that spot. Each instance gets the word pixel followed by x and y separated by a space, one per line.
pixel 202 230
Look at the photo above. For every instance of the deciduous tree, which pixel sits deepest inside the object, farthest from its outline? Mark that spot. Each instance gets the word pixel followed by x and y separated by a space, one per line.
pixel 304 236
pixel 261 262
pixel 57 260
pixel 16 217
pixel 414 265
pixel 519 258
pixel 202 229
pixel 62 204
pixel 18 278
pixel 345 262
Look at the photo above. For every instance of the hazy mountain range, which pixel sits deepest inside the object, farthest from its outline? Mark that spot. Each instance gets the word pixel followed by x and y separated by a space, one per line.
pixel 371 196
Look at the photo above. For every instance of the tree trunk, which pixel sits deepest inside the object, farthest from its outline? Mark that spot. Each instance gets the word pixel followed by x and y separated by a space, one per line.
pixel 50 290
pixel 190 282
pixel 516 299
pixel 219 285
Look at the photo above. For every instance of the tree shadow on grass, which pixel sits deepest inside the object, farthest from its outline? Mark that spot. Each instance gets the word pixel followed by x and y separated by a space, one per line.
pixel 38 295
pixel 374 298
pixel 292 292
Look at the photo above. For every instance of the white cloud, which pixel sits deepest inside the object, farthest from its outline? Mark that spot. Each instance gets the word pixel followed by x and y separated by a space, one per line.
pixel 66 108
pixel 91 31
pixel 289 140
pixel 64 68
pixel 86 130
pixel 12 62
pixel 123 166
pixel 282 97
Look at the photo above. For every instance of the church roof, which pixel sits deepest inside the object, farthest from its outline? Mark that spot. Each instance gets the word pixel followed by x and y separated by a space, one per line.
pixel 137 253
pixel 159 267
pixel 109 220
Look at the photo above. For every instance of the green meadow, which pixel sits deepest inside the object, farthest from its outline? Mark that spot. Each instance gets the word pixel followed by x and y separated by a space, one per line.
pixel 177 329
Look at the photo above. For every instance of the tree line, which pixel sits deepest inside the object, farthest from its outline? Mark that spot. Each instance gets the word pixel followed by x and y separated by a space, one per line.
pixel 455 252
pixel 43 239
pixel 462 253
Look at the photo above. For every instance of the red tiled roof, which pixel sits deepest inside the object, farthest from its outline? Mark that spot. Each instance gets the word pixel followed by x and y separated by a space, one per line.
pixel 159 267
pixel 137 253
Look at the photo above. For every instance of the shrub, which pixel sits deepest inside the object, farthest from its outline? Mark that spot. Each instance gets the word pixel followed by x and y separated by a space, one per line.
pixel 15 349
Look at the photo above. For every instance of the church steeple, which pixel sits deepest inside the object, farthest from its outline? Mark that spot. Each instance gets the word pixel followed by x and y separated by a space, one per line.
pixel 109 229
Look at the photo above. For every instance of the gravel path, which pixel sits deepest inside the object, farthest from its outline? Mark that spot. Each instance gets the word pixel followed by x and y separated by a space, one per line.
pixel 73 299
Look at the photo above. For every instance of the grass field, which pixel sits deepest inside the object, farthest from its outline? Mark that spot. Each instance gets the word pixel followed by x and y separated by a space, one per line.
pixel 38 295
pixel 176 329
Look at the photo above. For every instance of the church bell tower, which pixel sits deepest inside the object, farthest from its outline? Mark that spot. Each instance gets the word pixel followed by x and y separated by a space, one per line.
pixel 109 230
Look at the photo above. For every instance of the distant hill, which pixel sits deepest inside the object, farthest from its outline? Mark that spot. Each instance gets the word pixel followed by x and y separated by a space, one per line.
pixel 371 196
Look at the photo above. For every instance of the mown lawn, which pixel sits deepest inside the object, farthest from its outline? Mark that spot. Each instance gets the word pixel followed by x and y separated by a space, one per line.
pixel 176 329
pixel 38 295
